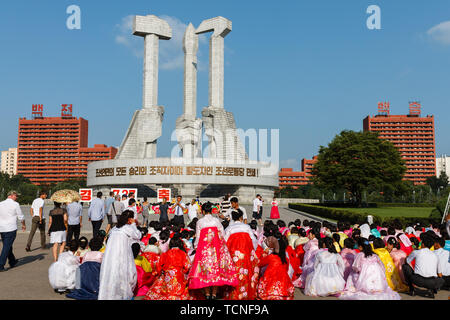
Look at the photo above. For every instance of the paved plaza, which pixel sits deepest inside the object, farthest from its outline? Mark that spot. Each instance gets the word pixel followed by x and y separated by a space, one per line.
pixel 29 279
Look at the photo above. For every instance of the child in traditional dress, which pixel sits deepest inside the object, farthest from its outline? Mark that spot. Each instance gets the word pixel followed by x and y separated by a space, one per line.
pixel 213 266
pixel 397 255
pixel 368 279
pixel 327 277
pixel 83 248
pixel 172 270
pixel 144 271
pixel 348 255
pixel 275 284
pixel 392 275
pixel 61 273
pixel 311 248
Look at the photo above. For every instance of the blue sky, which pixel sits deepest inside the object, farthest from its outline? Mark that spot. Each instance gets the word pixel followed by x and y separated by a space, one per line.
pixel 309 68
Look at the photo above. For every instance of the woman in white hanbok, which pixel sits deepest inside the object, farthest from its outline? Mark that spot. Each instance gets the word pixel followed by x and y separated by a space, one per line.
pixel 62 273
pixel 118 275
pixel 328 275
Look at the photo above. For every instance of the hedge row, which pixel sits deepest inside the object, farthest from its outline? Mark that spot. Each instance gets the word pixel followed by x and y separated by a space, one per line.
pixel 355 217
pixel 341 204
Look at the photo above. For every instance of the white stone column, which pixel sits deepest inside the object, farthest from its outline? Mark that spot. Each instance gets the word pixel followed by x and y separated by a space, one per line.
pixel 150 76
pixel 220 28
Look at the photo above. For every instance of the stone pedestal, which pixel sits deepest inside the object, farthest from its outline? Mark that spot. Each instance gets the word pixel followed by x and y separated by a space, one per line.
pixel 224 143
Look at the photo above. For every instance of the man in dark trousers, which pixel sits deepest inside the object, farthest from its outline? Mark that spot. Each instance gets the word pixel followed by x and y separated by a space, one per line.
pixel 424 273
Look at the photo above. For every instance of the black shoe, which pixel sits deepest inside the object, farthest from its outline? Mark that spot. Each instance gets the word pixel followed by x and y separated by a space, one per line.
pixel 2 270
pixel 27 249
pixel 12 265
pixel 429 294
pixel 213 297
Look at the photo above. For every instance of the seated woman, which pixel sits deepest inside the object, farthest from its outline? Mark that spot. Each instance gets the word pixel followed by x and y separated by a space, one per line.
pixel 397 255
pixel 61 273
pixel 392 275
pixel 275 284
pixel 242 243
pixel 348 255
pixel 144 271
pixel 213 266
pixel 88 273
pixel 311 248
pixel 327 278
pixel 368 279
pixel 172 269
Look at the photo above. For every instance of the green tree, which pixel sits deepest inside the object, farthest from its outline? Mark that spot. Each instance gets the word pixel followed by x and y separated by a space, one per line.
pixel 357 161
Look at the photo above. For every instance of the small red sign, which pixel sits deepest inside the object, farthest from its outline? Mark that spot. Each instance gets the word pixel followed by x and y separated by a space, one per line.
pixel 37 110
pixel 384 108
pixel 66 111
pixel 121 192
pixel 164 193
pixel 86 195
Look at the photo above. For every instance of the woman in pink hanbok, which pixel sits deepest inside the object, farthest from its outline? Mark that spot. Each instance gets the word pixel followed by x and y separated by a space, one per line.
pixel 213 266
pixel 368 279
pixel 327 277
pixel 398 256
pixel 311 248
pixel 348 254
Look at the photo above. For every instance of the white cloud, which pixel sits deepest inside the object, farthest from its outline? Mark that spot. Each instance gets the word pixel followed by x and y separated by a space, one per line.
pixel 440 33
pixel 171 55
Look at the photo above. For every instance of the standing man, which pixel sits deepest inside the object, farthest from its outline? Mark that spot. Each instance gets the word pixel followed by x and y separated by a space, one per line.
pixel 125 201
pixel 163 208
pixel 225 205
pixel 257 212
pixel 37 220
pixel 108 203
pixel 75 217
pixel 193 210
pixel 234 207
pixel 115 210
pixel 10 212
pixel 97 213
pixel 179 211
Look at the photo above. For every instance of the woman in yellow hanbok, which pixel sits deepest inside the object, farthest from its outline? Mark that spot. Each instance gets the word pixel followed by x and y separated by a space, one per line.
pixel 392 274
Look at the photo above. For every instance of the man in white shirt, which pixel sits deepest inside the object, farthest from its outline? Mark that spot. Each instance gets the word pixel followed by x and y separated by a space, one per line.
pixel 10 212
pixel 443 261
pixel 257 209
pixel 37 220
pixel 97 213
pixel 179 211
pixel 125 201
pixel 425 272
pixel 193 210
pixel 234 206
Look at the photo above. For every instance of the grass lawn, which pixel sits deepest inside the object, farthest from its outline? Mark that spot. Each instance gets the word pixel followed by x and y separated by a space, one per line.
pixel 394 211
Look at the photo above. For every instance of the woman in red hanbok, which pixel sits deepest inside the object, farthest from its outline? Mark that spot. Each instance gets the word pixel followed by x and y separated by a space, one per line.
pixel 274 213
pixel 213 266
pixel 242 243
pixel 275 284
pixel 172 268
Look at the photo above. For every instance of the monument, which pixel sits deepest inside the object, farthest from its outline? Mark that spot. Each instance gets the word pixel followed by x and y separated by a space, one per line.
pixel 225 169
